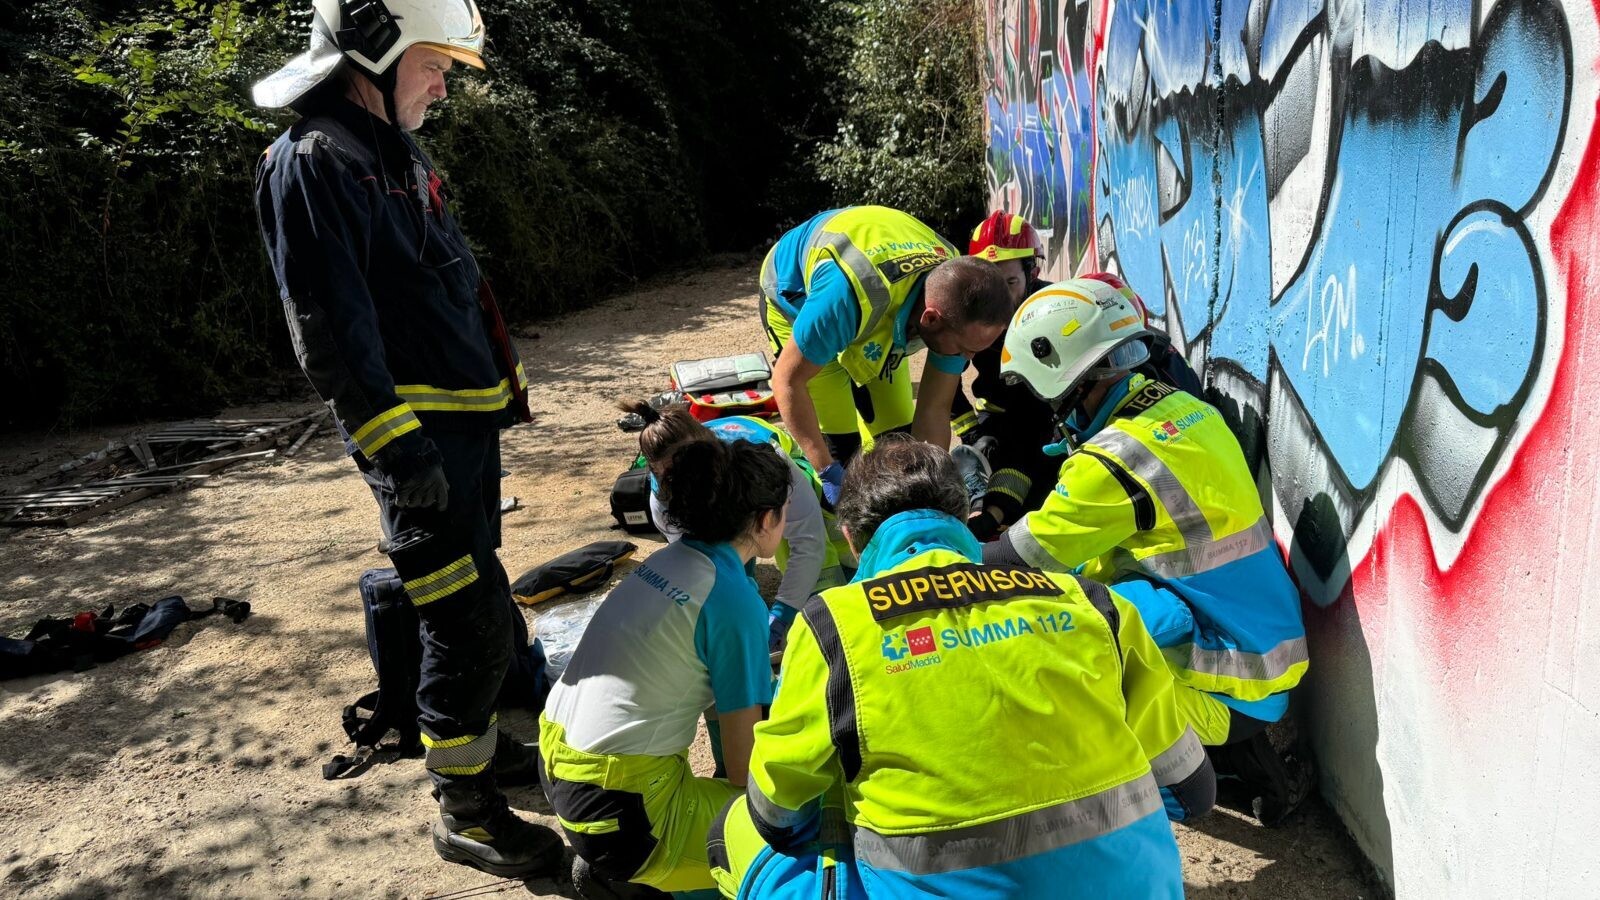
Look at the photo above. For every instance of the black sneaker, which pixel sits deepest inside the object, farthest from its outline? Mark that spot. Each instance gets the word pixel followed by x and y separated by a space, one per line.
pixel 1276 786
pixel 498 843
pixel 591 885
pixel 515 763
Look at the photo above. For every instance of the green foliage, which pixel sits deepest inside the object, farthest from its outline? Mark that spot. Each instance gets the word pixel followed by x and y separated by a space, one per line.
pixel 911 132
pixel 133 268
pixel 609 138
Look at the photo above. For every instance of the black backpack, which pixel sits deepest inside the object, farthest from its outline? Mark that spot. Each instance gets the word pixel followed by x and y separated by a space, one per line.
pixel 630 499
pixel 394 641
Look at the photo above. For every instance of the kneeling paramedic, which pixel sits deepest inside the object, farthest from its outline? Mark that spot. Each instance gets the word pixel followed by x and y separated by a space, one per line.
pixel 946 728
pixel 812 556
pixel 1158 501
pixel 687 630
pixel 397 332
pixel 847 298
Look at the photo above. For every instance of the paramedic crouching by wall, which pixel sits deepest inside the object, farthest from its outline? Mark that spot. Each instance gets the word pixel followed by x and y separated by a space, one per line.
pixel 1157 501
pixel 395 329
pixel 686 631
pixel 811 556
pixel 945 728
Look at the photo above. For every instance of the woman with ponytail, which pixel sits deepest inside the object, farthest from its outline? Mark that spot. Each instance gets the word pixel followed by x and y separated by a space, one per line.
pixel 684 633
pixel 812 556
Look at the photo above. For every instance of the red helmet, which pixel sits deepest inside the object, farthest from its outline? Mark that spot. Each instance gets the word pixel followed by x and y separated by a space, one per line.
pixel 1005 236
pixel 1124 290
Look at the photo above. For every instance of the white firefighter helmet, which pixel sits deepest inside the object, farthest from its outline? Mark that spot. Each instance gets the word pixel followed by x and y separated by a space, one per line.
pixel 373 34
pixel 1071 331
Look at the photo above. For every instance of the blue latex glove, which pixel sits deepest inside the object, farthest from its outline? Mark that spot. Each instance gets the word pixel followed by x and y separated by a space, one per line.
pixel 832 481
pixel 779 618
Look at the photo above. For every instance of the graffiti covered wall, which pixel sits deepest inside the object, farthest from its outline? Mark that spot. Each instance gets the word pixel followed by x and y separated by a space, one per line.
pixel 1373 223
pixel 1040 120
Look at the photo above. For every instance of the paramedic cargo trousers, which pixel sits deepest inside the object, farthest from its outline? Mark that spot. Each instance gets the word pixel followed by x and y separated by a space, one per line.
pixel 463 599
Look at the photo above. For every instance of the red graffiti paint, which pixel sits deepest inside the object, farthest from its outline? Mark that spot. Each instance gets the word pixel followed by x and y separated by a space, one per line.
pixel 1509 548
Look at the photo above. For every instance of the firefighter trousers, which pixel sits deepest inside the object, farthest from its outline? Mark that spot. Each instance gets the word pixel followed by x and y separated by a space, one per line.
pixel 453 576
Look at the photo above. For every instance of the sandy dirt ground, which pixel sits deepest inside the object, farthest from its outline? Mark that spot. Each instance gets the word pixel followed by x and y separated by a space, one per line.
pixel 193 769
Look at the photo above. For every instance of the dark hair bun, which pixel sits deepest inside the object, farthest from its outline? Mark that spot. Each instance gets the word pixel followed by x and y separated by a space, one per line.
pixel 642 409
pixel 714 491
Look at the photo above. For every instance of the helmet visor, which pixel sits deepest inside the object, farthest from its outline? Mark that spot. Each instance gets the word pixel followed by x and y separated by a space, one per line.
pixel 460 54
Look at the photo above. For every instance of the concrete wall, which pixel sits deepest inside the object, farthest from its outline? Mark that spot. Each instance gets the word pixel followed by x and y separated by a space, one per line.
pixel 1376 223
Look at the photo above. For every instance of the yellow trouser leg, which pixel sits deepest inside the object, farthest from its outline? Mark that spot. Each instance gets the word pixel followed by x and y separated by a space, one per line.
pixel 732 846
pixel 678 806
pixel 891 401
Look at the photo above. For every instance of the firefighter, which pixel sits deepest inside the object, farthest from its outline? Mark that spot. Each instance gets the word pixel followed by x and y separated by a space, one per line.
pixel 1006 424
pixel 396 330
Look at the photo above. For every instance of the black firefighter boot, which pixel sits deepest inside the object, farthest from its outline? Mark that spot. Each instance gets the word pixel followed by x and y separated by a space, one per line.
pixel 476 828
pixel 515 763
pixel 1276 787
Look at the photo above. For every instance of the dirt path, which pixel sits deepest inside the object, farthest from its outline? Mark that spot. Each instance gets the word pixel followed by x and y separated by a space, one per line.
pixel 193 769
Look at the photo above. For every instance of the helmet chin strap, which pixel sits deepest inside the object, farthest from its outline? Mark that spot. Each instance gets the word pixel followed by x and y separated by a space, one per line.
pixel 385 83
pixel 1075 426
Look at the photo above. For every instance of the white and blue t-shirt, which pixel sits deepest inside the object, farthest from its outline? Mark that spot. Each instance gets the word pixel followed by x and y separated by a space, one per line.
pixel 685 630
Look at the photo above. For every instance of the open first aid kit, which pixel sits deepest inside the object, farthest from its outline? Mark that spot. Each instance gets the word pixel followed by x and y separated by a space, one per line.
pixel 726 386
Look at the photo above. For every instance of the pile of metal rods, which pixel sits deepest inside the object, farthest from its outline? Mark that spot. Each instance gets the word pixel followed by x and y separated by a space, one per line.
pixel 179 455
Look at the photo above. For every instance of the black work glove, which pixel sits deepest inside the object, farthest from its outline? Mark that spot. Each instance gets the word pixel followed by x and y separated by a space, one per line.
pixel 983 526
pixel 427 489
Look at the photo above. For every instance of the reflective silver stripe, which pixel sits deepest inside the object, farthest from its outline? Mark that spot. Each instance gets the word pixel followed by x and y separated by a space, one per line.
pixel 1001 841
pixel 1029 548
pixel 442 582
pixel 1180 506
pixel 1013 483
pixel 1273 664
pixel 768 812
pixel 1214 555
pixel 769 276
pixel 845 251
pixel 1178 761
pixel 467 755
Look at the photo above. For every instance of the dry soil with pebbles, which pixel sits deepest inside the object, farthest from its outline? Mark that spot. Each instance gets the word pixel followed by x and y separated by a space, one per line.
pixel 193 769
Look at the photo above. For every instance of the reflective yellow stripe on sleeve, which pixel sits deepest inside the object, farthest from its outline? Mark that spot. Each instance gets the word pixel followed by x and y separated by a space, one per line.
pixel 385 427
pixel 442 583
pixel 427 398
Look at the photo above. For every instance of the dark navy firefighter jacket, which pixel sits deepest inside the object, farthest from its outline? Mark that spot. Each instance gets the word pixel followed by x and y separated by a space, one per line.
pixel 385 303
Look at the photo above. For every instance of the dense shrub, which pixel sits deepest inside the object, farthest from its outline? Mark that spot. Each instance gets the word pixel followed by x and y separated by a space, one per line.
pixel 911 132
pixel 608 138
pixel 133 273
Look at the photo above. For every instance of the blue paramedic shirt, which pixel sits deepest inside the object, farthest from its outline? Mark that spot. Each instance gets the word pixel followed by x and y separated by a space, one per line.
pixel 827 317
